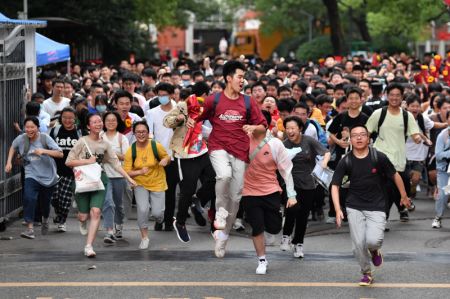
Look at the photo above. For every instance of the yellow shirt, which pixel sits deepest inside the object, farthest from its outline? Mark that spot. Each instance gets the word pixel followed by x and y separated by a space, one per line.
pixel 155 179
pixel 317 115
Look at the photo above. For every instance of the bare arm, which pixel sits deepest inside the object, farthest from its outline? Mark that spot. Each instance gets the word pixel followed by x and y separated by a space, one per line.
pixel 401 188
pixel 337 206
pixel 11 154
pixel 51 153
pixel 326 159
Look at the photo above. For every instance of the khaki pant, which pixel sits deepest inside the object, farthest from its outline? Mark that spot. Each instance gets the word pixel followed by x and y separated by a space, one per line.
pixel 229 183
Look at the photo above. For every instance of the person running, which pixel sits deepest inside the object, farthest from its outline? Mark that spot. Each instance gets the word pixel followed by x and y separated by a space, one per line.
pixel 145 161
pixel 37 151
pixel 163 135
pixel 66 136
pixel 92 149
pixel 339 136
pixel 261 195
pixel 393 125
pixel 194 164
pixel 233 116
pixel 442 150
pixel 367 169
pixel 113 209
pixel 305 186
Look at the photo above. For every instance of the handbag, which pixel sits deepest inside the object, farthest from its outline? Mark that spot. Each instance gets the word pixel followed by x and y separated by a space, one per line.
pixel 88 178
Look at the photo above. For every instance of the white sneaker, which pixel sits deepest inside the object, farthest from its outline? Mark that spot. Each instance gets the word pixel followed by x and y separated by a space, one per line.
pixel 270 239
pixel 219 248
pixel 238 225
pixel 89 251
pixel 62 227
pixel 262 267
pixel 221 219
pixel 331 220
pixel 83 228
pixel 144 244
pixel 436 223
pixel 298 251
pixel 285 243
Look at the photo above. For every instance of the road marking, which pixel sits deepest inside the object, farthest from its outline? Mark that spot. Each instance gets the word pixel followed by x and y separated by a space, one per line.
pixel 219 284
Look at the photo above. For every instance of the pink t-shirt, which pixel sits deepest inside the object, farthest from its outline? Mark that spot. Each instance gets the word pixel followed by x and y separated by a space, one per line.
pixel 260 177
pixel 227 122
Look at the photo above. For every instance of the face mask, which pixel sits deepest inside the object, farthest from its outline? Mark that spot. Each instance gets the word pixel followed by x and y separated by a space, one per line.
pixel 100 108
pixel 186 83
pixel 164 100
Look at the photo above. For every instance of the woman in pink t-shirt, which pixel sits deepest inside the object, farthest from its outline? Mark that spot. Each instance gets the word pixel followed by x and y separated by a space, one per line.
pixel 261 196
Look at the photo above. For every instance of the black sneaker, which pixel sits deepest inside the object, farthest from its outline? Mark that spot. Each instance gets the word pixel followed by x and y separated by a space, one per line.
pixel 158 226
pixel 412 207
pixel 181 231
pixel 404 215
pixel 199 219
pixel 168 226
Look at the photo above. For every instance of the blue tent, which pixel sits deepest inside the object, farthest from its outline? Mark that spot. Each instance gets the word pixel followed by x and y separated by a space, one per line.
pixel 4 20
pixel 49 51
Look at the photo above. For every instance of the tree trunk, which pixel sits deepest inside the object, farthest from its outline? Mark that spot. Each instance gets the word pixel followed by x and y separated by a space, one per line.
pixel 335 26
pixel 361 22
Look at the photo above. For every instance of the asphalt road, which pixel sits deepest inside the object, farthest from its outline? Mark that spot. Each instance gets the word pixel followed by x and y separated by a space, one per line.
pixel 417 265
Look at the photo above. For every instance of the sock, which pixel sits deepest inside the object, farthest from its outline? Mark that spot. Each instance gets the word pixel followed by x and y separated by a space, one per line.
pixel 262 258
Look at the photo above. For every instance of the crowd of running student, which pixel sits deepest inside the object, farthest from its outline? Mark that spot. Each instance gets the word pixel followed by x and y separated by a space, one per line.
pixel 243 129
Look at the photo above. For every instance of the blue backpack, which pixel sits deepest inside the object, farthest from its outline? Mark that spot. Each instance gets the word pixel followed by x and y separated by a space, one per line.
pixel 321 135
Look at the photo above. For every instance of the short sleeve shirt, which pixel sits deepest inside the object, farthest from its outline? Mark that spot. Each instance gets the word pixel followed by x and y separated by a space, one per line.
pixel 41 168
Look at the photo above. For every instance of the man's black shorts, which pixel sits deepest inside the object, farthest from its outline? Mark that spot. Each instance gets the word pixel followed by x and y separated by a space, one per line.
pixel 263 213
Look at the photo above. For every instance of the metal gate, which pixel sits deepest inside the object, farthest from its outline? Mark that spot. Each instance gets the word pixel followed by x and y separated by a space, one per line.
pixel 12 97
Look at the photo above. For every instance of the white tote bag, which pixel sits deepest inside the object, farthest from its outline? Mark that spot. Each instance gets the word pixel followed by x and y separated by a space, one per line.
pixel 88 178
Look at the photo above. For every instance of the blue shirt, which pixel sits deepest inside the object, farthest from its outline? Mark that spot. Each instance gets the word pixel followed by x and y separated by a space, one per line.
pixel 40 168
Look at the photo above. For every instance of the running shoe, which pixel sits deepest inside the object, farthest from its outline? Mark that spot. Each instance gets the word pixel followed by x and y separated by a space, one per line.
pixel 262 267
pixel 366 280
pixel 181 231
pixel 219 248
pixel 238 225
pixel 89 251
pixel 377 258
pixel 109 238
pixel 436 223
pixel 285 244
pixel 298 251
pixel 404 215
pixel 144 244
pixel 62 227
pixel 118 231
pixel 83 228
pixel 198 216
pixel 28 234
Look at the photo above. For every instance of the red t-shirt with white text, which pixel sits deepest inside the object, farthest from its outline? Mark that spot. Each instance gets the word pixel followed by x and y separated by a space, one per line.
pixel 227 122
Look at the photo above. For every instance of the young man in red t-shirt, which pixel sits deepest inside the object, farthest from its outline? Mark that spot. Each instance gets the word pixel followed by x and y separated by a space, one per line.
pixel 229 145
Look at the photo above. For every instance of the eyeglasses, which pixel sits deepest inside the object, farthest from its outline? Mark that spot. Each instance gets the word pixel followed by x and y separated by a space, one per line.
pixel 360 135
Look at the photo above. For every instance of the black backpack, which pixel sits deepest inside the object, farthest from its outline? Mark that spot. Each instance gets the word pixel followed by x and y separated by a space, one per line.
pixel 383 116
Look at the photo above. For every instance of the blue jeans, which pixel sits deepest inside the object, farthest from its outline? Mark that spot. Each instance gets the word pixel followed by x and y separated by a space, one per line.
pixel 113 211
pixel 441 203
pixel 35 196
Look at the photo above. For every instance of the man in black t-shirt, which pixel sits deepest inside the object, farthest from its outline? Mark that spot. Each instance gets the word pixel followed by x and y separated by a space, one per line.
pixel 367 169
